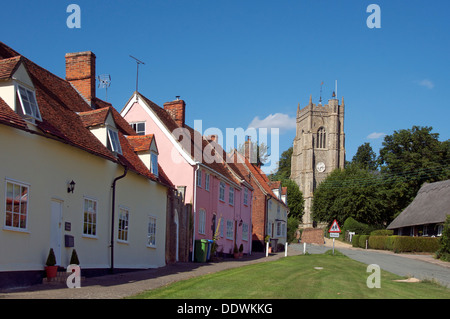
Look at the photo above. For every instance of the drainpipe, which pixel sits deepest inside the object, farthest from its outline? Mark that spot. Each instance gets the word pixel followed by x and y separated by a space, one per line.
pixel 113 186
pixel 195 210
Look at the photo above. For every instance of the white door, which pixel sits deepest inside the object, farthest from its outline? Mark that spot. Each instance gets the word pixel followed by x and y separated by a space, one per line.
pixel 56 229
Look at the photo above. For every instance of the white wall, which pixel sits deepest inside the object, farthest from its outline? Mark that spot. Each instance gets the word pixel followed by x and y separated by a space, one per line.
pixel 47 166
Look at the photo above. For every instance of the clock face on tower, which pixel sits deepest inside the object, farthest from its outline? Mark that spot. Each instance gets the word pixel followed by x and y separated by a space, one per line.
pixel 320 167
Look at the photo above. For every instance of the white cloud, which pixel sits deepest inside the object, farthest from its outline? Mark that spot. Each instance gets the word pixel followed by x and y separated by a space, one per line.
pixel 375 135
pixel 277 120
pixel 426 83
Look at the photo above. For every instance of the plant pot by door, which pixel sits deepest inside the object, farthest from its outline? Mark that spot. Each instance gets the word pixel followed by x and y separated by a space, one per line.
pixel 51 271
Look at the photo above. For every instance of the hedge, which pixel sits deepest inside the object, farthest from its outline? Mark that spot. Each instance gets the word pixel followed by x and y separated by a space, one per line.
pixel 398 244
pixel 355 240
pixel 362 241
pixel 382 232
pixel 417 244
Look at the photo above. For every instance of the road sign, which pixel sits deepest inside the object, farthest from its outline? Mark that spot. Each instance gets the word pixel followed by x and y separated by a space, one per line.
pixel 334 235
pixel 334 227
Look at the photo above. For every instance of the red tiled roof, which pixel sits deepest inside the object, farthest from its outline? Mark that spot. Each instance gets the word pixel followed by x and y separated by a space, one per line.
pixel 217 165
pixel 274 184
pixel 9 117
pixel 94 117
pixel 140 142
pixel 58 103
pixel 259 176
pixel 121 123
pixel 8 67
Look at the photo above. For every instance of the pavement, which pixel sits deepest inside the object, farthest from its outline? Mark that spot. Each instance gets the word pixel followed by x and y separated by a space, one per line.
pixel 117 286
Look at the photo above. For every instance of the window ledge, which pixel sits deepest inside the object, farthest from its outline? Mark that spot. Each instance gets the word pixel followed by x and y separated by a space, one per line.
pixel 17 230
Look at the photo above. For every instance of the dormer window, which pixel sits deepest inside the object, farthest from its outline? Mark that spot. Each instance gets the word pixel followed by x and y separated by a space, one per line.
pixel 28 103
pixel 154 159
pixel 113 141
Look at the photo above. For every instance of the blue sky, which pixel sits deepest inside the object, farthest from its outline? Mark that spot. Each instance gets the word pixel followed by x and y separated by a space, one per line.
pixel 235 62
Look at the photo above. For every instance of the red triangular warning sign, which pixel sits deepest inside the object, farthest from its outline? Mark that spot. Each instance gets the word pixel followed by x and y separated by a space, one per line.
pixel 334 227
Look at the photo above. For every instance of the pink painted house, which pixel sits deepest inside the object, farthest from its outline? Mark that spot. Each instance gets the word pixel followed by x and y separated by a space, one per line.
pixel 220 196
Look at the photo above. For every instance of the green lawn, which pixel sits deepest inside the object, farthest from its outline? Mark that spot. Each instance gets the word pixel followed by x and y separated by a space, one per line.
pixel 296 277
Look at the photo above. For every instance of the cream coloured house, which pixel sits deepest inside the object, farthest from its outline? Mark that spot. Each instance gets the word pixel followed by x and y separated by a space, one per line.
pixel 71 179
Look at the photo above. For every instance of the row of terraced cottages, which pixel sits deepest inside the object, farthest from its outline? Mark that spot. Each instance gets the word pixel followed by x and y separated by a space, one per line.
pixel 76 175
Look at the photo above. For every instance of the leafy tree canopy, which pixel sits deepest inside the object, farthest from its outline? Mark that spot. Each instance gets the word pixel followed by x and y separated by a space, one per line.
pixel 365 157
pixel 351 192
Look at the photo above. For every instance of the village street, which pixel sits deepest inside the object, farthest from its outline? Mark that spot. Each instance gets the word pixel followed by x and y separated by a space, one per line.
pixel 127 284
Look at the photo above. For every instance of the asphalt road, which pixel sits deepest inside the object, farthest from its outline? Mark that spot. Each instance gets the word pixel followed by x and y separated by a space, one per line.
pixel 401 264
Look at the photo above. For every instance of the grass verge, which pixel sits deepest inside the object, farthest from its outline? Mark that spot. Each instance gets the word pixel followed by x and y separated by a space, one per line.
pixel 297 277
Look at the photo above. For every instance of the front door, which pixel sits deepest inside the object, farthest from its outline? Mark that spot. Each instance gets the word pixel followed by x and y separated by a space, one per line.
pixel 55 229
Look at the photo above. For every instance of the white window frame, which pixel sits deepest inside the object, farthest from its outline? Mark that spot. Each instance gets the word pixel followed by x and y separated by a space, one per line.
pixel 245 231
pixel 230 229
pixel 440 230
pixel 114 141
pixel 93 223
pixel 245 196
pixel 31 101
pixel 135 127
pixel 201 221
pixel 279 229
pixel 221 226
pixel 222 188
pixel 20 212
pixel 199 178
pixel 123 224
pixel 151 231
pixel 207 180
pixel 231 196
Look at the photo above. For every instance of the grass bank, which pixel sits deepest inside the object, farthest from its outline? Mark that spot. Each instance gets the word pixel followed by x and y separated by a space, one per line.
pixel 307 276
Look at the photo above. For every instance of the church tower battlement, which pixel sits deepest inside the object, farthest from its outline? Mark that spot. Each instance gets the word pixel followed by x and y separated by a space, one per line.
pixel 319 147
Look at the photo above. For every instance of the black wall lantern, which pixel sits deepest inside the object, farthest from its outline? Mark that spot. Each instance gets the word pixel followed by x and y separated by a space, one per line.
pixel 71 187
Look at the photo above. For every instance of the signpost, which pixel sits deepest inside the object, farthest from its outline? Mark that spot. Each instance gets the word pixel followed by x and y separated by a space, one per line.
pixel 334 231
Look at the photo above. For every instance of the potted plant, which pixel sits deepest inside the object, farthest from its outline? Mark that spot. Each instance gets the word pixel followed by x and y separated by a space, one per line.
pixel 236 252
pixel 50 265
pixel 241 250
pixel 74 258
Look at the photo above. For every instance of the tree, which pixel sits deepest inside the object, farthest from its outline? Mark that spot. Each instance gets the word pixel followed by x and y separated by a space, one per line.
pixel 295 199
pixel 259 152
pixel 410 158
pixel 444 242
pixel 365 157
pixel 351 192
pixel 284 166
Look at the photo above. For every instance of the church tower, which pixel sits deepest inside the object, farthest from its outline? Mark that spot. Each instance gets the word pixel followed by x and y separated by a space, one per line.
pixel 319 147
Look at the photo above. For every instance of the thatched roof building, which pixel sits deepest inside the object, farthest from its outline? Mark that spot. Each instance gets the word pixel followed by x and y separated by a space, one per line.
pixel 426 213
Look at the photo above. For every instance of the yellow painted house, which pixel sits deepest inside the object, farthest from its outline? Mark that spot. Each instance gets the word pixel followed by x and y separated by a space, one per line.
pixel 70 178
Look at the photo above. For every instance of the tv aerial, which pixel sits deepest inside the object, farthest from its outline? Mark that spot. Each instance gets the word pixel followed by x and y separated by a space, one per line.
pixel 104 81
pixel 137 70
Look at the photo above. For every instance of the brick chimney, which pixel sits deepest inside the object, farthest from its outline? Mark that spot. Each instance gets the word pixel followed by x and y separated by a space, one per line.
pixel 176 110
pixel 249 152
pixel 80 72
